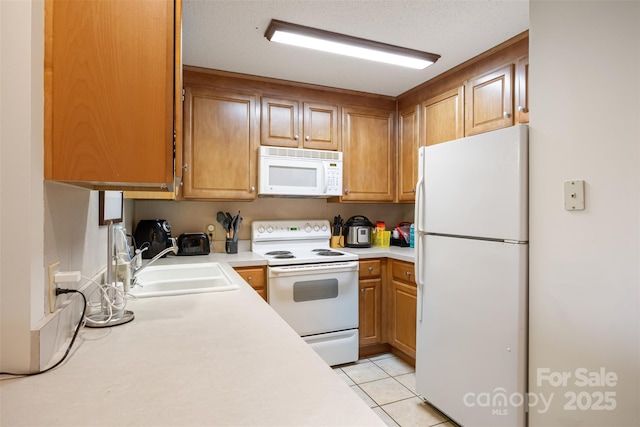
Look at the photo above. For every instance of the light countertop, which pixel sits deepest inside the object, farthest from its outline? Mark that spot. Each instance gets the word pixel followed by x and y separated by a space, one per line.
pixel 221 358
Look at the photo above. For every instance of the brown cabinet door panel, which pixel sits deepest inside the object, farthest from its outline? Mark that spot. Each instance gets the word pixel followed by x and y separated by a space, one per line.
pixel 320 126
pixel 490 101
pixel 370 327
pixel 443 117
pixel 220 145
pixel 280 122
pixel 408 142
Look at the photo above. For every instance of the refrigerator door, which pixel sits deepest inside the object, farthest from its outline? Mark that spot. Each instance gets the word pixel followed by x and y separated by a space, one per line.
pixel 471 341
pixel 476 186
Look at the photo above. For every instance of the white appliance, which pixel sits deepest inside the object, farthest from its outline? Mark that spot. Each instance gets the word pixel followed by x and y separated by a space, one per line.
pixel 313 287
pixel 471 269
pixel 295 172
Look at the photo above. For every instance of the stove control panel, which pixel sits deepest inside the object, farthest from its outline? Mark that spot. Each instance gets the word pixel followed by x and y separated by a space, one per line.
pixel 290 229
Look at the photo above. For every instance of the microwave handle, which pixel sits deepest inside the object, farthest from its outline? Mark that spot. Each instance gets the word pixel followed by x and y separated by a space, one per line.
pixel 325 166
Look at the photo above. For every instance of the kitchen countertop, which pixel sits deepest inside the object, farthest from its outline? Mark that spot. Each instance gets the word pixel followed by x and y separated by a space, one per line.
pixel 220 358
pixel 246 258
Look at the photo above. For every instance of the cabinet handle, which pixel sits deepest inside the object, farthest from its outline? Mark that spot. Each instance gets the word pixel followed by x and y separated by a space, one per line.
pixel 253 188
pixel 408 273
pixel 249 279
pixel 506 115
pixel 295 137
pixel 307 138
pixel 523 109
pixel 346 191
pixel 370 269
pixel 362 290
pixel 185 166
pixel 414 191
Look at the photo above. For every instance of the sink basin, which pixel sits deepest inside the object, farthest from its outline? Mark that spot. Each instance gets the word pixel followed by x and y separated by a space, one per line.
pixel 164 280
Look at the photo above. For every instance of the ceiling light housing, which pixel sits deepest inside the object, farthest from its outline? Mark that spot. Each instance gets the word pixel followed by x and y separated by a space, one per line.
pixel 327 41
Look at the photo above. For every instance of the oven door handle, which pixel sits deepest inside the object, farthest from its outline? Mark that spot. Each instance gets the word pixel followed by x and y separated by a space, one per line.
pixel 314 268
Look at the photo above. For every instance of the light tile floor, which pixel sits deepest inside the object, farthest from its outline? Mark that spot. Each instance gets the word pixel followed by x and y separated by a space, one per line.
pixel 388 385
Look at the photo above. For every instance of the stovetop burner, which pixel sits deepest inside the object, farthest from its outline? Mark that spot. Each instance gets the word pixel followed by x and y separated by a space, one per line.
pixel 284 256
pixel 327 252
pixel 277 253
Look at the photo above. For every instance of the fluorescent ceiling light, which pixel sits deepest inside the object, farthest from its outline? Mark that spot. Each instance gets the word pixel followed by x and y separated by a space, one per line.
pixel 327 41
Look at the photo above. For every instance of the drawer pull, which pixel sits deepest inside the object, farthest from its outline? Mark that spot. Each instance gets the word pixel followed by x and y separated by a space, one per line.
pixel 370 269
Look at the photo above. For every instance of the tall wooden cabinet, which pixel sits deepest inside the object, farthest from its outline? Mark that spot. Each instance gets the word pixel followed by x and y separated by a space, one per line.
pixel 110 74
pixel 408 143
pixel 370 307
pixel 402 310
pixel 284 124
pixel 220 144
pixel 368 159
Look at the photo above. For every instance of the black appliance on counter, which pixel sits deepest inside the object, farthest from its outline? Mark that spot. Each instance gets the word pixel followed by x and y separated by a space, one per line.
pixel 154 234
pixel 193 244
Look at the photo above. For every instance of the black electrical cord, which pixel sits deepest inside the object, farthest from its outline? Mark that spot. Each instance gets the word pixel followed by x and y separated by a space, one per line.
pixel 75 334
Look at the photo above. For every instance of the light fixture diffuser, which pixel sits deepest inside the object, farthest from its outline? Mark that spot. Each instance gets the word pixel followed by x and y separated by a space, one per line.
pixel 327 41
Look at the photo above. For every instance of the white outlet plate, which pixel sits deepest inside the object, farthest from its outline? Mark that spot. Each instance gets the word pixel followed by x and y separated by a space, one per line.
pixel 53 269
pixel 574 195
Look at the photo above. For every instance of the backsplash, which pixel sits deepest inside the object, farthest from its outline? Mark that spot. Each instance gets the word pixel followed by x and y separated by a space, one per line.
pixel 190 216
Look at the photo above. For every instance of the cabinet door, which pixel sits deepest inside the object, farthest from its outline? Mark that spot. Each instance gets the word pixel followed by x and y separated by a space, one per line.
pixel 370 327
pixel 220 145
pixel 256 278
pixel 108 108
pixel 279 122
pixel 489 101
pixel 443 117
pixel 522 89
pixel 320 126
pixel 408 140
pixel 367 140
pixel 403 317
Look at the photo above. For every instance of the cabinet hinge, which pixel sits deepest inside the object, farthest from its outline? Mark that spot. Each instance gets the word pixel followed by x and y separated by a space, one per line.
pixel 183 94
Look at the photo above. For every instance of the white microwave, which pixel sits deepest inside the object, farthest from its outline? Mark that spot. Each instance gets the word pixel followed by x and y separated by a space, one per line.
pixel 296 172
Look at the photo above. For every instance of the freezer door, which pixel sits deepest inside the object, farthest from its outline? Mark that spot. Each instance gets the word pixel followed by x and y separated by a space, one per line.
pixel 477 186
pixel 471 341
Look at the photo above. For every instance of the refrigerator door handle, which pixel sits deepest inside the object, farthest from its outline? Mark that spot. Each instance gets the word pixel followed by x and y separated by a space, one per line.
pixel 419 232
pixel 418 274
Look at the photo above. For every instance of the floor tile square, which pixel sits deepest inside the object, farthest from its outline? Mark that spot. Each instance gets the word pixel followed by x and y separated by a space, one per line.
pixel 394 366
pixel 364 372
pixel 413 412
pixel 380 356
pixel 408 380
pixel 386 390
pixel 364 396
pixel 385 417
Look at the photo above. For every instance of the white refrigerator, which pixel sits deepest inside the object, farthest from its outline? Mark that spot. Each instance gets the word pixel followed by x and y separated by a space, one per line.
pixel 471 220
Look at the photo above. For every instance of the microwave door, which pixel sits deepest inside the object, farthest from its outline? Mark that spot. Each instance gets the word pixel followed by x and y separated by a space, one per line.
pixel 292 178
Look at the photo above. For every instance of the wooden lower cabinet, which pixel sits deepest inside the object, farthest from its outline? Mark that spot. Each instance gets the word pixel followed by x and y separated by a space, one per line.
pixel 256 277
pixel 402 307
pixel 370 307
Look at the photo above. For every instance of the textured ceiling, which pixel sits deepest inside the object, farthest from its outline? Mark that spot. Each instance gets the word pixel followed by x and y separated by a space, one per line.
pixel 229 35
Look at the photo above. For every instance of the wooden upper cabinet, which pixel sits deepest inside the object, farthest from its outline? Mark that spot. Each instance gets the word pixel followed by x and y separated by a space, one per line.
pixel 443 117
pixel 367 144
pixel 280 122
pixel 320 126
pixel 522 90
pixel 489 101
pixel 109 92
pixel 220 145
pixel 285 125
pixel 408 143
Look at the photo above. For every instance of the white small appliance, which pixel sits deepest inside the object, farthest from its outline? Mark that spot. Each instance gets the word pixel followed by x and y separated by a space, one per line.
pixel 296 172
pixel 312 286
pixel 471 268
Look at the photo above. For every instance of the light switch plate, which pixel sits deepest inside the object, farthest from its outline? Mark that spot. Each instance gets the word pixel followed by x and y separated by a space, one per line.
pixel 574 195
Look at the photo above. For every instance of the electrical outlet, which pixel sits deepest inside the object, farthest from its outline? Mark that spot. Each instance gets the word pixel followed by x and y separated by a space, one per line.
pixel 211 228
pixel 53 269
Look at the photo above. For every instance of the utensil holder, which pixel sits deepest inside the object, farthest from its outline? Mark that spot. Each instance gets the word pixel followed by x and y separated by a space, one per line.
pixel 231 246
pixel 337 242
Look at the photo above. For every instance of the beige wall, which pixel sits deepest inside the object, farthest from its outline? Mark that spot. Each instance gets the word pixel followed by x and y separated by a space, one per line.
pixel 584 265
pixel 194 216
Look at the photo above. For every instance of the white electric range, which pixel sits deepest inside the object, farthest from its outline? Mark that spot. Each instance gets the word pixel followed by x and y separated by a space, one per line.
pixel 312 286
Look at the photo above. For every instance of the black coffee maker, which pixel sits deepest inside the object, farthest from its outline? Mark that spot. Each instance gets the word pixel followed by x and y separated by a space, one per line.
pixel 155 234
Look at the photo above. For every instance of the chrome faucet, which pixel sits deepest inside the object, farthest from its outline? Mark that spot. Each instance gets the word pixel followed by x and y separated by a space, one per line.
pixel 136 271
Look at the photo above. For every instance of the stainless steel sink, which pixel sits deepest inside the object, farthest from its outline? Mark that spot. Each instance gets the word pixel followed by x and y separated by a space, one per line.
pixel 180 279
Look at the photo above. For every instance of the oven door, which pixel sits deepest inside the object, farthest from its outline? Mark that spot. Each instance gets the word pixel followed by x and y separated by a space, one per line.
pixel 315 298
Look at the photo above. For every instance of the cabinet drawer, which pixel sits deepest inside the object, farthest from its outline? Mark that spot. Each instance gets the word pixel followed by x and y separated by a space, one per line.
pixel 369 268
pixel 254 276
pixel 403 271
